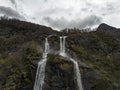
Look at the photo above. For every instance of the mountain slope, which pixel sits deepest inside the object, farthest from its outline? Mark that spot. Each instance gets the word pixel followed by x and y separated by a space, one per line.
pixel 22 44
pixel 104 28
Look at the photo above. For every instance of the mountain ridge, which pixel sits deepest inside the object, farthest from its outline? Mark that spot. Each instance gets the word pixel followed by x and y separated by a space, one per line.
pixel 106 27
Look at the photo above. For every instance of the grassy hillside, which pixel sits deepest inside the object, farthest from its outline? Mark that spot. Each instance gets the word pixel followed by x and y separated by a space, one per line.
pixel 22 45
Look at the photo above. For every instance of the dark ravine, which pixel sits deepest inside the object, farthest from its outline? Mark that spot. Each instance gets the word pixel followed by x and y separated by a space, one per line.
pixel 21 48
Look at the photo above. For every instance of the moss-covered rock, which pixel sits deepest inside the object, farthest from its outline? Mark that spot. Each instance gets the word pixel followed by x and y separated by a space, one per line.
pixel 59 74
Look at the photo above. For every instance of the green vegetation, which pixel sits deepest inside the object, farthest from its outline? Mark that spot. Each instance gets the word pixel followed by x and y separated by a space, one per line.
pixel 60 61
pixel 20 44
pixel 101 53
pixel 17 68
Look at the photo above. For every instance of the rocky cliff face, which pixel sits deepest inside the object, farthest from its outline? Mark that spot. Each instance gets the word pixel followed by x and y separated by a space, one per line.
pixel 21 47
pixel 59 74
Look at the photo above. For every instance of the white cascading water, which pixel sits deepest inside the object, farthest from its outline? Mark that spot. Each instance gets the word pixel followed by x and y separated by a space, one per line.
pixel 62 46
pixel 40 75
pixel 76 67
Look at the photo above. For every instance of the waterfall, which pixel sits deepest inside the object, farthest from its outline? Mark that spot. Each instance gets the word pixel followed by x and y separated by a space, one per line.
pixel 76 67
pixel 77 74
pixel 40 74
pixel 62 46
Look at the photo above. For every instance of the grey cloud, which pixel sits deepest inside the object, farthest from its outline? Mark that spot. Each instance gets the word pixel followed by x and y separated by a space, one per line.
pixel 84 9
pixel 57 23
pixel 13 1
pixel 65 13
pixel 45 0
pixel 78 23
pixel 9 12
pixel 54 10
pixel 111 8
pixel 91 20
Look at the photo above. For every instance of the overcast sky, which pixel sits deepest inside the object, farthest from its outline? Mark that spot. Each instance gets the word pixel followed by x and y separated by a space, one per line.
pixel 60 14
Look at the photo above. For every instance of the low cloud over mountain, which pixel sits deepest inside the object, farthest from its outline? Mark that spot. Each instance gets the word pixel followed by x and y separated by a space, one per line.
pixel 9 12
pixel 76 23
pixel 64 13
